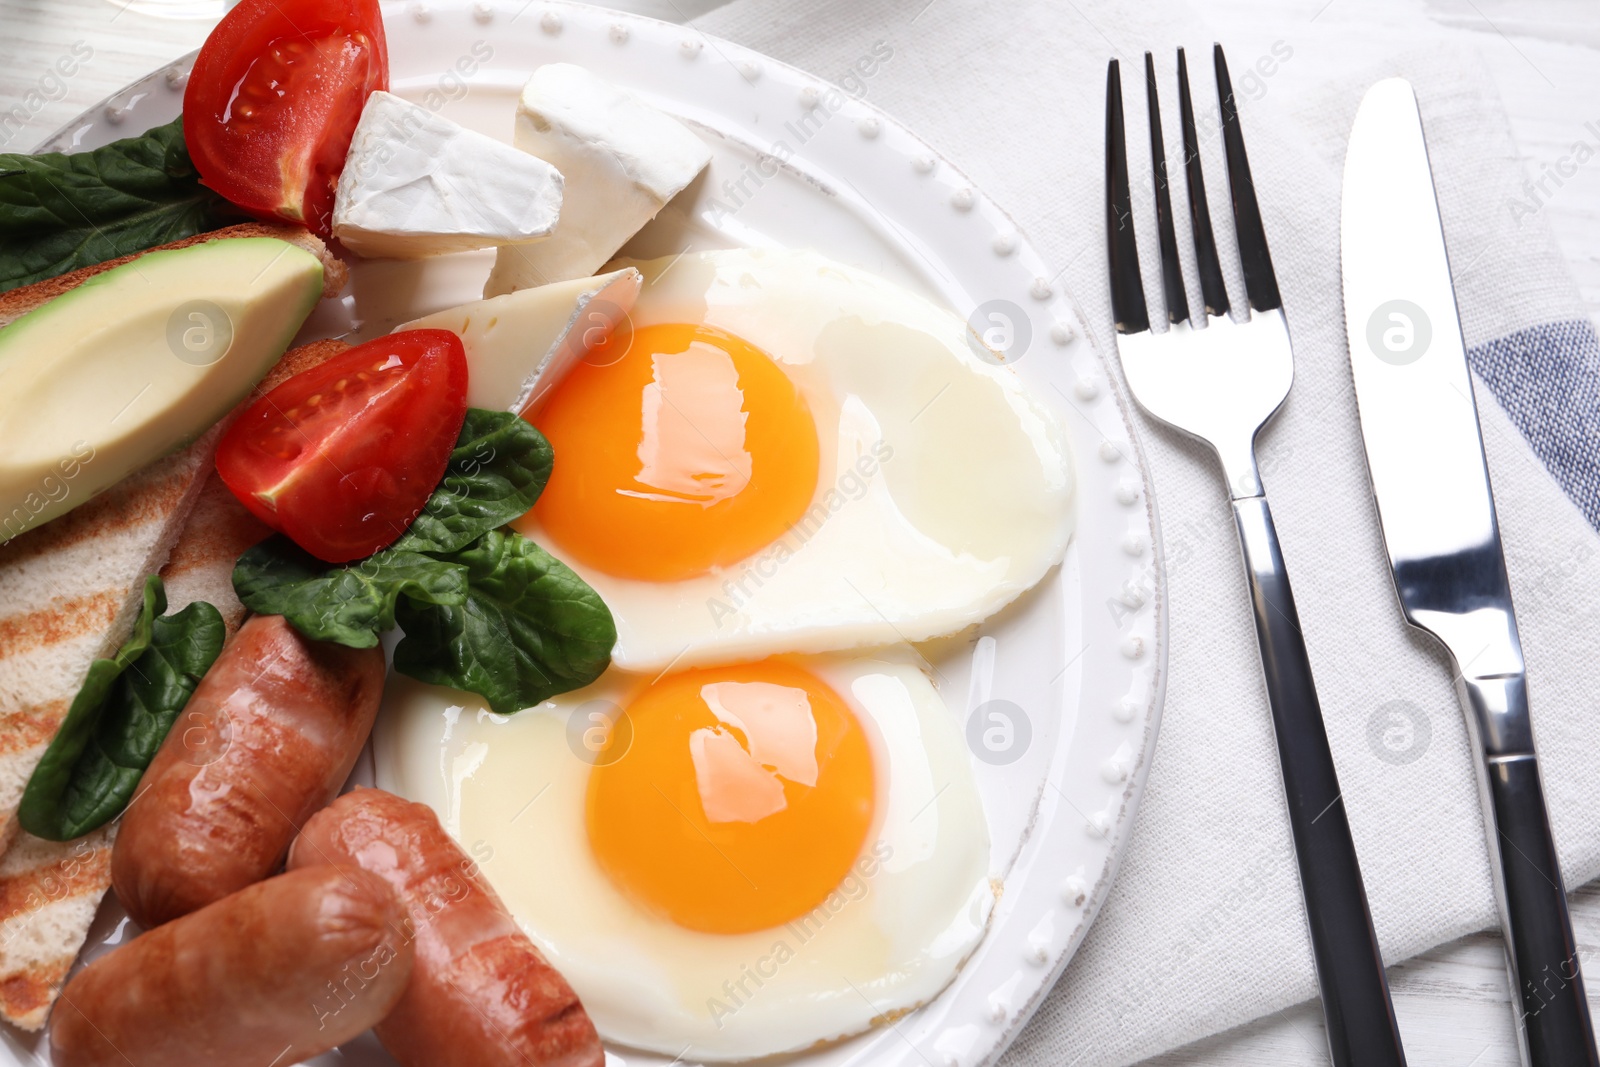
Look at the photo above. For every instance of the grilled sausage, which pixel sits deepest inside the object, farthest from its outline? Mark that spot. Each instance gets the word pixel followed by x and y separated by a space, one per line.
pixel 266 740
pixel 289 967
pixel 481 995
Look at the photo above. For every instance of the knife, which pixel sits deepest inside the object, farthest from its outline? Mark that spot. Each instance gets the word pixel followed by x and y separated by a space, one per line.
pixel 1425 456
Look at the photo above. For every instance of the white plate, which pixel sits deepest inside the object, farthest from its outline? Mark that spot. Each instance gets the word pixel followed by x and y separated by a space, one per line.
pixel 1078 662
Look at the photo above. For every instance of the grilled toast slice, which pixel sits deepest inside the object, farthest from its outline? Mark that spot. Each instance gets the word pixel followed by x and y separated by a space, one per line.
pixel 69 591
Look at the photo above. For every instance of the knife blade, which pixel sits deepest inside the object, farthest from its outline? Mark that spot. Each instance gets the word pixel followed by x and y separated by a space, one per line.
pixel 1424 447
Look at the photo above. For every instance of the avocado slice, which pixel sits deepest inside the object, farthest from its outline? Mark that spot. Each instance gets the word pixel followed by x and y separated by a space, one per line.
pixel 137 362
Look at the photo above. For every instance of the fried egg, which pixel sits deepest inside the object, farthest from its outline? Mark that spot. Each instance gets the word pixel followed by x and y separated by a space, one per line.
pixel 725 862
pixel 781 453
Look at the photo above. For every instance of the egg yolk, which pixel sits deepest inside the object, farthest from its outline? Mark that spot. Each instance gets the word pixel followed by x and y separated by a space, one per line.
pixel 742 800
pixel 678 448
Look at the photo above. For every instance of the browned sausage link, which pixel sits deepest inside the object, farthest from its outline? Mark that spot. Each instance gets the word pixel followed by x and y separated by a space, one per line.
pixel 267 739
pixel 481 995
pixel 289 967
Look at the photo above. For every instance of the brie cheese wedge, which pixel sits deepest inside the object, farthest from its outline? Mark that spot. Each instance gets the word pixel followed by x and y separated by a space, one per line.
pixel 521 344
pixel 417 184
pixel 622 160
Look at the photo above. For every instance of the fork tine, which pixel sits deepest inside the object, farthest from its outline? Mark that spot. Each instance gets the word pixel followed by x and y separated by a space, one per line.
pixel 1171 272
pixel 1212 289
pixel 1259 280
pixel 1127 288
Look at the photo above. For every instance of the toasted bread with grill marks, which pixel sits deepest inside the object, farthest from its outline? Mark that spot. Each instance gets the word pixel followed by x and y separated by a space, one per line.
pixel 69 591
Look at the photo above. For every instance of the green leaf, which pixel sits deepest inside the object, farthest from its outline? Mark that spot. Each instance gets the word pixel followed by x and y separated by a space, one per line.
pixel 59 211
pixel 483 608
pixel 350 604
pixel 528 630
pixel 497 471
pixel 120 717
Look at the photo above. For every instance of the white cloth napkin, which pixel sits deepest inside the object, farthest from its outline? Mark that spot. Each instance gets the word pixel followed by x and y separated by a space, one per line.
pixel 1204 928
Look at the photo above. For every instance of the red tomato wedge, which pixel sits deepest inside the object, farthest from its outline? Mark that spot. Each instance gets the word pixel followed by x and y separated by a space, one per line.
pixel 343 456
pixel 274 98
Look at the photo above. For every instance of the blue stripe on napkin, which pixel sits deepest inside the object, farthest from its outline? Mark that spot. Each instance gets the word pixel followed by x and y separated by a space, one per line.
pixel 1547 378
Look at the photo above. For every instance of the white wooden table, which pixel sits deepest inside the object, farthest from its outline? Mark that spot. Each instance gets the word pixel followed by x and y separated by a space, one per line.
pixel 1452 1002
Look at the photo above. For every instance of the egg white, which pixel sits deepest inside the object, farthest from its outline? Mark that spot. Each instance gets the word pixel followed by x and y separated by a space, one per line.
pixel 945 489
pixel 890 937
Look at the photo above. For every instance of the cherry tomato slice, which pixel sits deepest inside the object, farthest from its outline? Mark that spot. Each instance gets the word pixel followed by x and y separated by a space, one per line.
pixel 343 456
pixel 274 98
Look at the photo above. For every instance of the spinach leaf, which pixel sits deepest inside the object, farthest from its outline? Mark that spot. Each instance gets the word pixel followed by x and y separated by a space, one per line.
pixel 59 211
pixel 120 717
pixel 350 604
pixel 483 608
pixel 529 629
pixel 497 471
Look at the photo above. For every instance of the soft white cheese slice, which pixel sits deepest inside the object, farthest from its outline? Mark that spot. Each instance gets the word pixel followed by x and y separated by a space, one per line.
pixel 417 184
pixel 521 344
pixel 622 160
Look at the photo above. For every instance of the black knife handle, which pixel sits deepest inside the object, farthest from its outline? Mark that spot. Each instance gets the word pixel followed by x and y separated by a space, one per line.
pixel 1355 992
pixel 1555 1029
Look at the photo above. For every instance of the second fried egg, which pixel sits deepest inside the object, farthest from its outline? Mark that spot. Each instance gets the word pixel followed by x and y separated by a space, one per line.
pixel 725 862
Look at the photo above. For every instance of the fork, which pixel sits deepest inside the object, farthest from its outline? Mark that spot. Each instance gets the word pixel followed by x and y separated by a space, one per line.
pixel 1221 384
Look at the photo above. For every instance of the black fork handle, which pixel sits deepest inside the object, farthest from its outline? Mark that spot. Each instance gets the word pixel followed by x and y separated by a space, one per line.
pixel 1355 991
